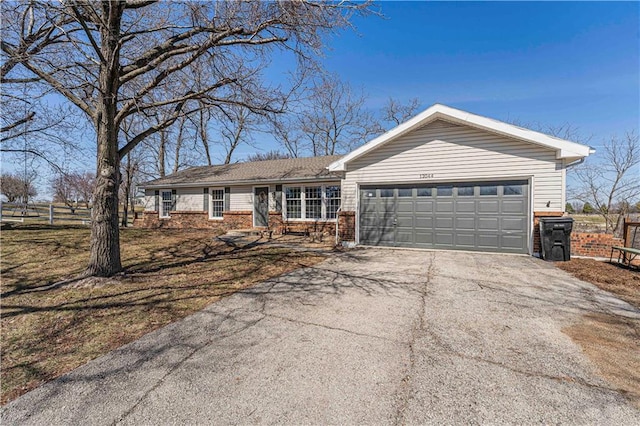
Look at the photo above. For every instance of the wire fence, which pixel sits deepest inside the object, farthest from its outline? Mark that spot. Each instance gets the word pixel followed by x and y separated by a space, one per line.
pixel 49 213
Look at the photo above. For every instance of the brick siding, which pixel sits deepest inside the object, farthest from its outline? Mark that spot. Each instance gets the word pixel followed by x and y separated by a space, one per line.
pixel 347 226
pixel 593 244
pixel 195 220
pixel 244 220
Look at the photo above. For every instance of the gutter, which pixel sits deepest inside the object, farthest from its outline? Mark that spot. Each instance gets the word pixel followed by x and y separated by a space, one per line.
pixel 575 163
pixel 239 182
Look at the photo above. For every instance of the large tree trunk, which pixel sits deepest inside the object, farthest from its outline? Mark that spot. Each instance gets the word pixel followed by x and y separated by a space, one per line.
pixel 104 258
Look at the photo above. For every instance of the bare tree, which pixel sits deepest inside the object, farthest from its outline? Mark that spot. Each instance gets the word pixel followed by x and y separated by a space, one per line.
pixel 396 113
pixel 329 119
pixel 130 170
pixel 269 155
pixel 17 188
pixel 73 188
pixel 613 183
pixel 114 59
pixel 236 125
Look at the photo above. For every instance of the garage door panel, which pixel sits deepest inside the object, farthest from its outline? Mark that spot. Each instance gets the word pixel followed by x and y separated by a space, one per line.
pixel 453 217
pixel 444 206
pixel 405 223
pixel 489 206
pixel 423 206
pixel 488 223
pixel 513 223
pixel 404 238
pixel 486 241
pixel 514 206
pixel 444 239
pixel 512 241
pixel 465 240
pixel 444 222
pixel 424 237
pixel 405 206
pixel 465 223
pixel 465 206
pixel 423 222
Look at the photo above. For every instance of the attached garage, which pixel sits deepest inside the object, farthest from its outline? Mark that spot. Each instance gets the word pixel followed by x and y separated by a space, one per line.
pixel 449 179
pixel 483 216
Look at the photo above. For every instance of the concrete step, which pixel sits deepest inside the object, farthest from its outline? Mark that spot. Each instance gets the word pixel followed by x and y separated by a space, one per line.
pixel 243 232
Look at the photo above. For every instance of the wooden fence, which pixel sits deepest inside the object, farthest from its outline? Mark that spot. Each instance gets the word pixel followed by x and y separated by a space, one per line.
pixel 49 213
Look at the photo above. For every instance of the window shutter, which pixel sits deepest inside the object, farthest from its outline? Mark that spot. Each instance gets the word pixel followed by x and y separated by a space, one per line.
pixel 173 200
pixel 227 199
pixel 205 200
pixel 278 196
pixel 156 196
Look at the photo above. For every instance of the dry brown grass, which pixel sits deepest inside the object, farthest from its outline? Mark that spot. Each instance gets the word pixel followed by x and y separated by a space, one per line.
pixel 612 342
pixel 50 328
pixel 623 282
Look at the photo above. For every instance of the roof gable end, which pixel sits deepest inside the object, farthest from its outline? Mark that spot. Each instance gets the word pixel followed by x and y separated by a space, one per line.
pixel 564 149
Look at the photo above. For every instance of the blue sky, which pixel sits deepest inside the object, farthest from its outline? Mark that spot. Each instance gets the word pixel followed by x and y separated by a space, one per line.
pixel 535 62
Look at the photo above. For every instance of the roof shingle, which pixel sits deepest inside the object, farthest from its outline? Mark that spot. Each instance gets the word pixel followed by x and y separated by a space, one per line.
pixel 257 171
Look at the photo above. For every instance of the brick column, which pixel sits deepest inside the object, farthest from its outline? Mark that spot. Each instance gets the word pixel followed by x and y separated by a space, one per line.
pixel 347 225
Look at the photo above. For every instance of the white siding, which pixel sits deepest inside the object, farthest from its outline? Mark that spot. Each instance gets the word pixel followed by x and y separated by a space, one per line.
pixel 149 200
pixel 457 153
pixel 189 199
pixel 241 198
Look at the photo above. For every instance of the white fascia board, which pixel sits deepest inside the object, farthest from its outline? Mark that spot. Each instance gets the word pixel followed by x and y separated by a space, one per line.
pixel 253 182
pixel 564 149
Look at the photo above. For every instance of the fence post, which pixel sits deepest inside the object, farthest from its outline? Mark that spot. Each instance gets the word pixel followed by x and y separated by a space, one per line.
pixel 50 214
pixel 1 210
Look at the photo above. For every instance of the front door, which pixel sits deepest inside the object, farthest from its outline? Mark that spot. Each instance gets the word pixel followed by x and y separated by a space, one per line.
pixel 261 206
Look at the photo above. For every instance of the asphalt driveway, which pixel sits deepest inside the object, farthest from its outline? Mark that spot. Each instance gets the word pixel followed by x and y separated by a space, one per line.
pixel 370 336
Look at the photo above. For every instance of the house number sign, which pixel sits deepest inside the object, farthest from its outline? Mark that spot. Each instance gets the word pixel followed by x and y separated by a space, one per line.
pixel 426 176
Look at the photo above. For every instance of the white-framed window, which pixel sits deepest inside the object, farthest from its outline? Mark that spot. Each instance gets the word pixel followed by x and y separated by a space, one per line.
pixel 332 197
pixel 166 203
pixel 216 203
pixel 293 202
pixel 311 202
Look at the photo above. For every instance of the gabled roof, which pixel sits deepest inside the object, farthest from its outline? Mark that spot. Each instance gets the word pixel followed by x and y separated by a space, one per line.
pixel 290 169
pixel 564 149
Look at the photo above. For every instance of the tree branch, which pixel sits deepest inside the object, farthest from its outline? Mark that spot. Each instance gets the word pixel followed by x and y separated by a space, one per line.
pixel 15 124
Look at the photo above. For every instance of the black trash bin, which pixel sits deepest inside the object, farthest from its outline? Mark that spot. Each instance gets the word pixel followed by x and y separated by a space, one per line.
pixel 555 238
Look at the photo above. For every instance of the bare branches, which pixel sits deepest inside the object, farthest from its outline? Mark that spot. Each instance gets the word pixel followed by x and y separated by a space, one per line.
pixel 15 124
pixel 397 113
pixel 132 58
pixel 335 121
pixel 613 183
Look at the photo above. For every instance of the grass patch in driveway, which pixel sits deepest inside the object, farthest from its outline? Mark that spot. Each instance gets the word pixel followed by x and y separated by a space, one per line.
pixel 612 342
pixel 49 329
